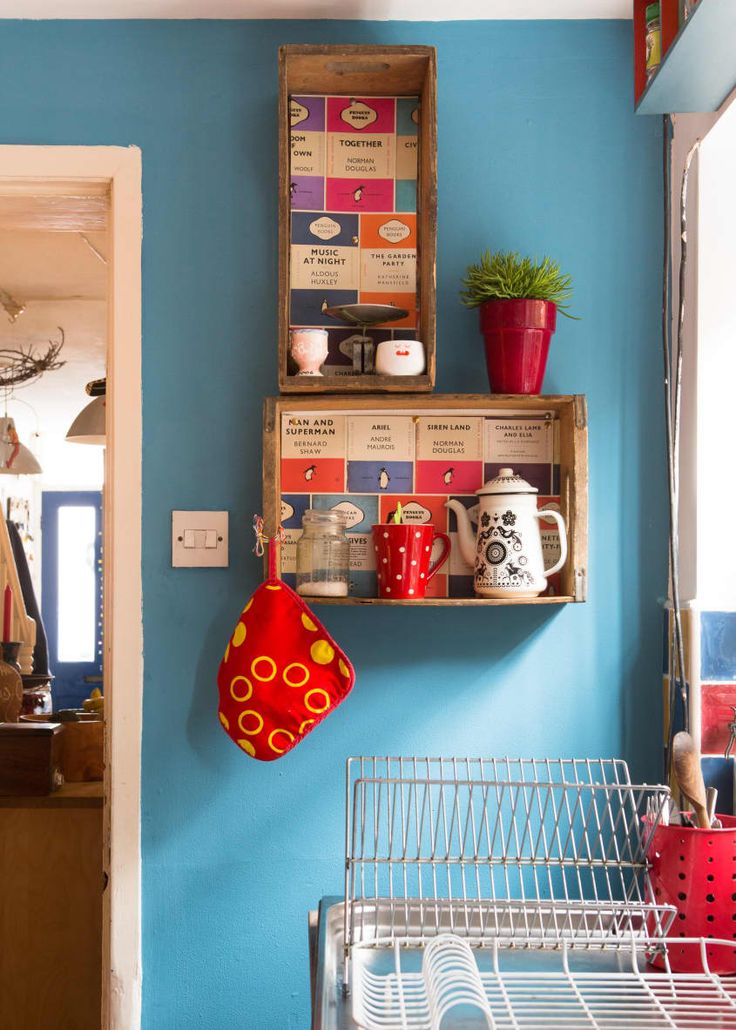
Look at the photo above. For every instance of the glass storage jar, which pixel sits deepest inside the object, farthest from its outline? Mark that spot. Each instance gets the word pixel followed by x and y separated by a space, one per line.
pixel 653 38
pixel 323 555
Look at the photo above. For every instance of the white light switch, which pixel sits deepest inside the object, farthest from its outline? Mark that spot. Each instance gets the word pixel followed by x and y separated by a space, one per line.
pixel 199 539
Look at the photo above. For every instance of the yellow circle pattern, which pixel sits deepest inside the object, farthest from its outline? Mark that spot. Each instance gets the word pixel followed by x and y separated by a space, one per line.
pixel 264 678
pixel 289 677
pixel 258 716
pixel 308 624
pixel 322 652
pixel 272 734
pixel 247 606
pixel 227 653
pixel 313 707
pixel 272 587
pixel 296 674
pixel 248 688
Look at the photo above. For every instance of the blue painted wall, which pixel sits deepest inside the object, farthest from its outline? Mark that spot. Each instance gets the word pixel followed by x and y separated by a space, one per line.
pixel 539 150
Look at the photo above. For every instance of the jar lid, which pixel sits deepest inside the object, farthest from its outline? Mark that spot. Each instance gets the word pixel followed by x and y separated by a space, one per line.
pixel 652 11
pixel 325 517
pixel 506 482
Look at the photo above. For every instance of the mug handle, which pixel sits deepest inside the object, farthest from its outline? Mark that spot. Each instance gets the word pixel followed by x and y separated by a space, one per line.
pixel 443 557
pixel 551 514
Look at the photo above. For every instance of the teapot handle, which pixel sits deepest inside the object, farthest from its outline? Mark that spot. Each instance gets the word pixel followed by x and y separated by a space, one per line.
pixel 549 513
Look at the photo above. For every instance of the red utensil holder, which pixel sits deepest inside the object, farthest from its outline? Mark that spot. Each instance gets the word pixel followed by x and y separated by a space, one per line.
pixel 403 555
pixel 695 870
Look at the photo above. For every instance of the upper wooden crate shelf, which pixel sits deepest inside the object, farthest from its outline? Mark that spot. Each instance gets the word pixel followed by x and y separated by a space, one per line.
pixel 320 452
pixel 357 203
pixel 698 69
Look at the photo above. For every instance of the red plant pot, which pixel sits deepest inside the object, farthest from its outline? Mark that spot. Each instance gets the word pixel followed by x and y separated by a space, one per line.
pixel 517 335
pixel 403 555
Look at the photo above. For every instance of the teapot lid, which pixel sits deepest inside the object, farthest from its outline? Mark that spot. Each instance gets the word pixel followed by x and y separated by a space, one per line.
pixel 507 482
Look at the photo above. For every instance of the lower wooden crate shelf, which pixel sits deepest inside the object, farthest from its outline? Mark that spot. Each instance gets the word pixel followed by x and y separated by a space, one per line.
pixel 446 602
pixel 296 475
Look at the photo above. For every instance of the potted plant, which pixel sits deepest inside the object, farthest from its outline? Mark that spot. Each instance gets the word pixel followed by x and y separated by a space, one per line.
pixel 518 299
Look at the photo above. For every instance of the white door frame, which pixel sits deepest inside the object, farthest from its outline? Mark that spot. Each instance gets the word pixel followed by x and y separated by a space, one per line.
pixel 120 168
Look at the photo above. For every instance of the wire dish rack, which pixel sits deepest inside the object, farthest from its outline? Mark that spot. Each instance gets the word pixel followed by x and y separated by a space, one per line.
pixel 512 893
pixel 457 987
pixel 526 853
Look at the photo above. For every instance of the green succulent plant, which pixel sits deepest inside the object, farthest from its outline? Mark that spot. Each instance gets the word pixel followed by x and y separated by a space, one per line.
pixel 505 275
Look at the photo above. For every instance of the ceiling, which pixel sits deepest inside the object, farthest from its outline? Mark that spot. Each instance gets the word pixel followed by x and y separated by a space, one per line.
pixel 62 280
pixel 52 266
pixel 373 10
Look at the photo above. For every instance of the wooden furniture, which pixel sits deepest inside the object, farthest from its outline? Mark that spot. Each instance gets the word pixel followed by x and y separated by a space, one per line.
pixel 697 71
pixel 30 758
pixel 51 911
pixel 568 418
pixel 81 748
pixel 362 71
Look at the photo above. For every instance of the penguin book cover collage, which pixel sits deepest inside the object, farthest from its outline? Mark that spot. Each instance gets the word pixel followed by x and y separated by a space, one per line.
pixel 353 188
pixel 363 464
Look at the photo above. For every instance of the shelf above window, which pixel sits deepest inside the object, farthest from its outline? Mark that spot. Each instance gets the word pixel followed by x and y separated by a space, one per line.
pixel 698 70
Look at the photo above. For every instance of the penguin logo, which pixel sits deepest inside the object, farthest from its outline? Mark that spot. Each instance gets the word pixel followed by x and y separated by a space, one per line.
pixel 449 476
pixel 292 190
pixel 357 194
pixel 383 479
pixel 310 472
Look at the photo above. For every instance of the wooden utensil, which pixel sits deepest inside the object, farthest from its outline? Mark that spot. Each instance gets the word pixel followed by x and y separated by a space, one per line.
pixel 689 776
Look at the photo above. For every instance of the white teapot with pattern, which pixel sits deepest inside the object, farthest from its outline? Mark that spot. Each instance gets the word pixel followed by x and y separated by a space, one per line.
pixel 506 554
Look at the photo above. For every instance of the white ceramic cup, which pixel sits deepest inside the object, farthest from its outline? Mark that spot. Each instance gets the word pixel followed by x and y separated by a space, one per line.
pixel 400 358
pixel 309 350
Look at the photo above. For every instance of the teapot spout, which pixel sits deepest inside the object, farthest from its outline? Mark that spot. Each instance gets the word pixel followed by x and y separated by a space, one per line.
pixel 464 531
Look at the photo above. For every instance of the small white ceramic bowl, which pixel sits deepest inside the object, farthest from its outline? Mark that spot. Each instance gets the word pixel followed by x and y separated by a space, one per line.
pixel 400 358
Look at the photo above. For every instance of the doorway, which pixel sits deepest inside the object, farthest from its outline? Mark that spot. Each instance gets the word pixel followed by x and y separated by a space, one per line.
pixel 71 592
pixel 35 183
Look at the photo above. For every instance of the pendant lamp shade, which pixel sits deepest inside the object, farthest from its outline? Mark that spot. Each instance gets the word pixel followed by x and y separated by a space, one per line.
pixel 89 425
pixel 15 458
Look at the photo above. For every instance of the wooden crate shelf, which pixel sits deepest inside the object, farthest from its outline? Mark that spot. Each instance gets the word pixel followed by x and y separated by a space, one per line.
pixel 361 72
pixel 697 72
pixel 568 414
pixel 447 602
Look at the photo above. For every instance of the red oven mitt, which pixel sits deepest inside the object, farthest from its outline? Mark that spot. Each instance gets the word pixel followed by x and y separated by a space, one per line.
pixel 282 672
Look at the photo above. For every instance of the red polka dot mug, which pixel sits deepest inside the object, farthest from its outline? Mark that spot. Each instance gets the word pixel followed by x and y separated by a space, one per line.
pixel 403 556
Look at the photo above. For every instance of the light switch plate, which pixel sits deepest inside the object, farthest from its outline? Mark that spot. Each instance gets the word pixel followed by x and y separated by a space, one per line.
pixel 199 539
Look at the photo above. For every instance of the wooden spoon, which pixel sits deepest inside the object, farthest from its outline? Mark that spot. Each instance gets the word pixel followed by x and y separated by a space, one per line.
pixel 689 776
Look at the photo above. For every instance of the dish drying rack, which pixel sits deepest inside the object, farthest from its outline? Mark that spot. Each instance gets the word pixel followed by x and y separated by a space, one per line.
pixel 456 865
pixel 455 988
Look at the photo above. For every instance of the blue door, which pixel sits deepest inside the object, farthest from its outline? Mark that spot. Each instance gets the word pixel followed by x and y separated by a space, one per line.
pixel 71 591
